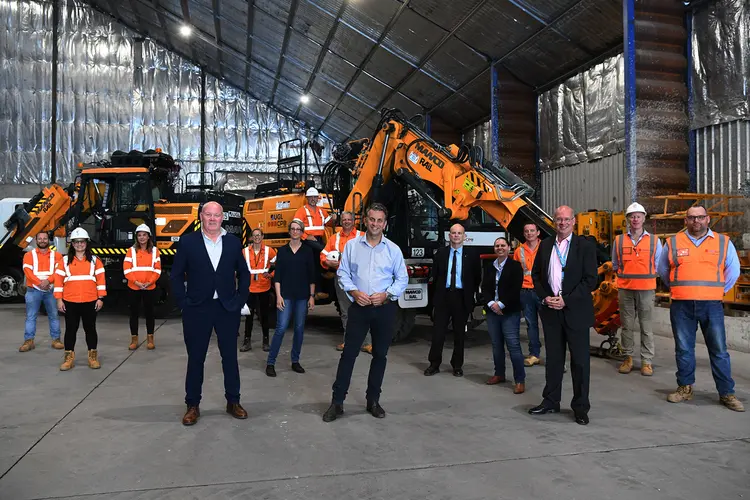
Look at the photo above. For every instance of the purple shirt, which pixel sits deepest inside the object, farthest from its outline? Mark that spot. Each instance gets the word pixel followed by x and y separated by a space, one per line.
pixel 555 270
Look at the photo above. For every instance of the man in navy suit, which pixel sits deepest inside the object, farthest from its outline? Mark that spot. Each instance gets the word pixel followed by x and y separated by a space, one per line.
pixel 218 282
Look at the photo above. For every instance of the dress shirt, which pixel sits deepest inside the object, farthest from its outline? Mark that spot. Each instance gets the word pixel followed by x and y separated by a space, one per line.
pixel 555 269
pixel 214 251
pixel 459 253
pixel 372 269
pixel 731 262
pixel 498 271
pixel 657 255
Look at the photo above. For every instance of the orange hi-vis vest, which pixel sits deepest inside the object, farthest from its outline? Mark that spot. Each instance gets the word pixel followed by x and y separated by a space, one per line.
pixel 636 268
pixel 697 272
pixel 526 256
pixel 314 220
pixel 142 266
pixel 80 281
pixel 337 243
pixel 38 267
pixel 259 264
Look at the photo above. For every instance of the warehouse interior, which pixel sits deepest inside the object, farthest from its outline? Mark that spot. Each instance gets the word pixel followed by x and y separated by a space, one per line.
pixel 593 104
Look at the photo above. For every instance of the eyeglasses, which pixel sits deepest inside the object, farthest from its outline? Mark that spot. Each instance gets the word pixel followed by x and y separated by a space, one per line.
pixel 692 218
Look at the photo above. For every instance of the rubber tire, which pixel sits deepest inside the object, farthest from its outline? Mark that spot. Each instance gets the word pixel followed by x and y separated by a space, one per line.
pixel 405 319
pixel 17 276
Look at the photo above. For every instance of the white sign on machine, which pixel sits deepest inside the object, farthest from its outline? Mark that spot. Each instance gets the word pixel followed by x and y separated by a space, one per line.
pixel 479 239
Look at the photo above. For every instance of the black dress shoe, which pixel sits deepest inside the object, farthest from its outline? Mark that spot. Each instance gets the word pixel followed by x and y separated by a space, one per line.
pixel 270 371
pixel 333 412
pixel 458 372
pixel 297 368
pixel 376 410
pixel 432 370
pixel 543 409
pixel 582 418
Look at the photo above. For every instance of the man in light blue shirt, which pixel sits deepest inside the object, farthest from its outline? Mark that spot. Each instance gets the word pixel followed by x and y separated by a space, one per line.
pixel 373 275
pixel 697 261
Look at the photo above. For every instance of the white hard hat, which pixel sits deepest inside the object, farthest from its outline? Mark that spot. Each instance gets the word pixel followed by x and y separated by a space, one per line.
pixel 312 192
pixel 143 228
pixel 635 207
pixel 79 233
pixel 333 255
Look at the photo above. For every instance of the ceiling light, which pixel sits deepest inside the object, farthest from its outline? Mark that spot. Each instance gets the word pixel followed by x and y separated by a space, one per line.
pixel 304 99
pixel 186 30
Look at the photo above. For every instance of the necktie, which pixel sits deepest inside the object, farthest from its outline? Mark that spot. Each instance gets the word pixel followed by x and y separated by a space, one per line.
pixel 453 271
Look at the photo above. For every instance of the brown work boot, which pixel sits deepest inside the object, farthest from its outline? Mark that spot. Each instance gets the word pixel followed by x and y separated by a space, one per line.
pixel 519 388
pixel 340 347
pixel 626 366
pixel 150 342
pixel 94 360
pixel 367 348
pixel 133 342
pixel 683 393
pixel 68 361
pixel 531 361
pixel 731 402
pixel 56 344
pixel 27 346
pixel 647 369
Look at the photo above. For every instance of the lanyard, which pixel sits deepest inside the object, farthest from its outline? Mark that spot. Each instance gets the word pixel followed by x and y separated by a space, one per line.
pixel 563 260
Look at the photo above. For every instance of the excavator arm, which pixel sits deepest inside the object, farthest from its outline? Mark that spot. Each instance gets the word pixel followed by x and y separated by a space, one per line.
pixel 47 211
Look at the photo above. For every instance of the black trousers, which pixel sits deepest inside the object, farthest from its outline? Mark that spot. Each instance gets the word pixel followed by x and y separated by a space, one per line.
pixel 558 335
pixel 75 313
pixel 380 321
pixel 317 245
pixel 452 307
pixel 258 302
pixel 148 298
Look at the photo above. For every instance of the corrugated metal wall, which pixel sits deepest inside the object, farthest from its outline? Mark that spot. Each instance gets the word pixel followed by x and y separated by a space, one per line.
pixel 599 184
pixel 723 158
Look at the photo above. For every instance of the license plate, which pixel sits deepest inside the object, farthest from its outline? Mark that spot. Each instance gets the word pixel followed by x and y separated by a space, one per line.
pixel 413 294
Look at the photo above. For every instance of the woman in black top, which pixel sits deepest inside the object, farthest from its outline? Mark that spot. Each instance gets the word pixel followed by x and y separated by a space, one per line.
pixel 501 296
pixel 294 282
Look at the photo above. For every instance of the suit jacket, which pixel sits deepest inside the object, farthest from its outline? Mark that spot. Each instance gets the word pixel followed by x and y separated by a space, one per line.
pixel 508 286
pixel 581 278
pixel 471 273
pixel 231 279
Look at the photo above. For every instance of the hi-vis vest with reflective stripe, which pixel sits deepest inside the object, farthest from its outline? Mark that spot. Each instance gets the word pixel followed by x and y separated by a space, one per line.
pixel 257 282
pixel 527 263
pixel 697 272
pixel 314 222
pixel 334 244
pixel 141 273
pixel 84 287
pixel 636 269
pixel 34 267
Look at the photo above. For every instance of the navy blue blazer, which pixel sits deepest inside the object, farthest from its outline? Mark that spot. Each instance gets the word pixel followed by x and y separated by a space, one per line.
pixel 231 279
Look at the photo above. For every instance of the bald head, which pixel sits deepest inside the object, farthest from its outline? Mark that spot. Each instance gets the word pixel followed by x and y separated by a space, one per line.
pixel 564 221
pixel 212 215
pixel 457 235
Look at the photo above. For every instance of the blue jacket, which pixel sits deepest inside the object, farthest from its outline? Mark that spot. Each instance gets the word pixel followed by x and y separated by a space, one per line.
pixel 231 280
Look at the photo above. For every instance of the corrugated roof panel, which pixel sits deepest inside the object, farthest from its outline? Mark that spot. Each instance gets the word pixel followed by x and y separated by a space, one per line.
pixel 498 27
pixel 318 107
pixel 295 75
pixel 325 91
pixel 455 63
pixel 388 68
pixel 549 9
pixel 267 29
pixel 201 17
pixel 337 70
pixel 343 121
pixel 302 50
pixel 424 90
pixel 405 105
pixel 234 36
pixel 266 57
pixel 370 17
pixel 350 45
pixel 260 85
pixel 172 6
pixel 233 10
pixel 459 112
pixel 277 8
pixel 597 26
pixel 310 118
pixel 479 92
pixel 369 90
pixel 441 12
pixel 146 13
pixel 312 22
pixel 412 37
pixel 355 108
pixel 547 57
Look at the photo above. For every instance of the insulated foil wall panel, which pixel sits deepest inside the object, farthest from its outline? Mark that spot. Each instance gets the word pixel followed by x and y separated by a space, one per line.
pixel 25 92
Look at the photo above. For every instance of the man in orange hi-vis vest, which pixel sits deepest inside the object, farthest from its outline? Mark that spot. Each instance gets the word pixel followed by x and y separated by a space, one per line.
pixel 39 268
pixel 525 254
pixel 329 259
pixel 634 258
pixel 700 266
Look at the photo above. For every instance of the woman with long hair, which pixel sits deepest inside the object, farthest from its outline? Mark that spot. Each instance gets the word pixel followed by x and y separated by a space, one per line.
pixel 80 286
pixel 142 269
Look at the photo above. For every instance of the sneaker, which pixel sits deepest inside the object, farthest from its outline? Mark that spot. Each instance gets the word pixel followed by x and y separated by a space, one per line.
pixel 28 345
pixel 731 402
pixel 626 366
pixel 683 393
pixel 56 344
pixel 531 360
pixel 647 369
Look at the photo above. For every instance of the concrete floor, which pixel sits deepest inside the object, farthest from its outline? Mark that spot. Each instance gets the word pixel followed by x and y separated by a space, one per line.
pixel 115 433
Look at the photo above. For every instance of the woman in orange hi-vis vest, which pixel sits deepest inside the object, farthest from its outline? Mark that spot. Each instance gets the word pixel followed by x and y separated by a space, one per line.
pixel 142 269
pixel 80 286
pixel 260 261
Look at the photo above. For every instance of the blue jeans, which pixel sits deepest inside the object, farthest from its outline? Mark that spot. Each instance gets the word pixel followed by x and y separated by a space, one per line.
pixel 505 329
pixel 686 315
pixel 531 303
pixel 34 299
pixel 298 309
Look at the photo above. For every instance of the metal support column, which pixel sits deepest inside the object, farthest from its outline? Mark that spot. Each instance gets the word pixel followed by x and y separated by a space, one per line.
pixel 537 154
pixel 428 124
pixel 55 62
pixel 692 167
pixel 203 127
pixel 628 20
pixel 495 114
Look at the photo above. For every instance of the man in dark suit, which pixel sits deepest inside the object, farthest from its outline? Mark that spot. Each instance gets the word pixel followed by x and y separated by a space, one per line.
pixel 456 273
pixel 564 275
pixel 218 283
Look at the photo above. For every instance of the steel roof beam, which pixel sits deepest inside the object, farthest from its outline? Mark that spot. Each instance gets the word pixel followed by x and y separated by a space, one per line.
pixel 186 16
pixel 284 47
pixel 216 4
pixel 538 16
pixel 250 28
pixel 424 60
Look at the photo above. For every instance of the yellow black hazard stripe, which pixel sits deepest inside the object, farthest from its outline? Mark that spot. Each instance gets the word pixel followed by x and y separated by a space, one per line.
pixel 38 206
pixel 123 251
